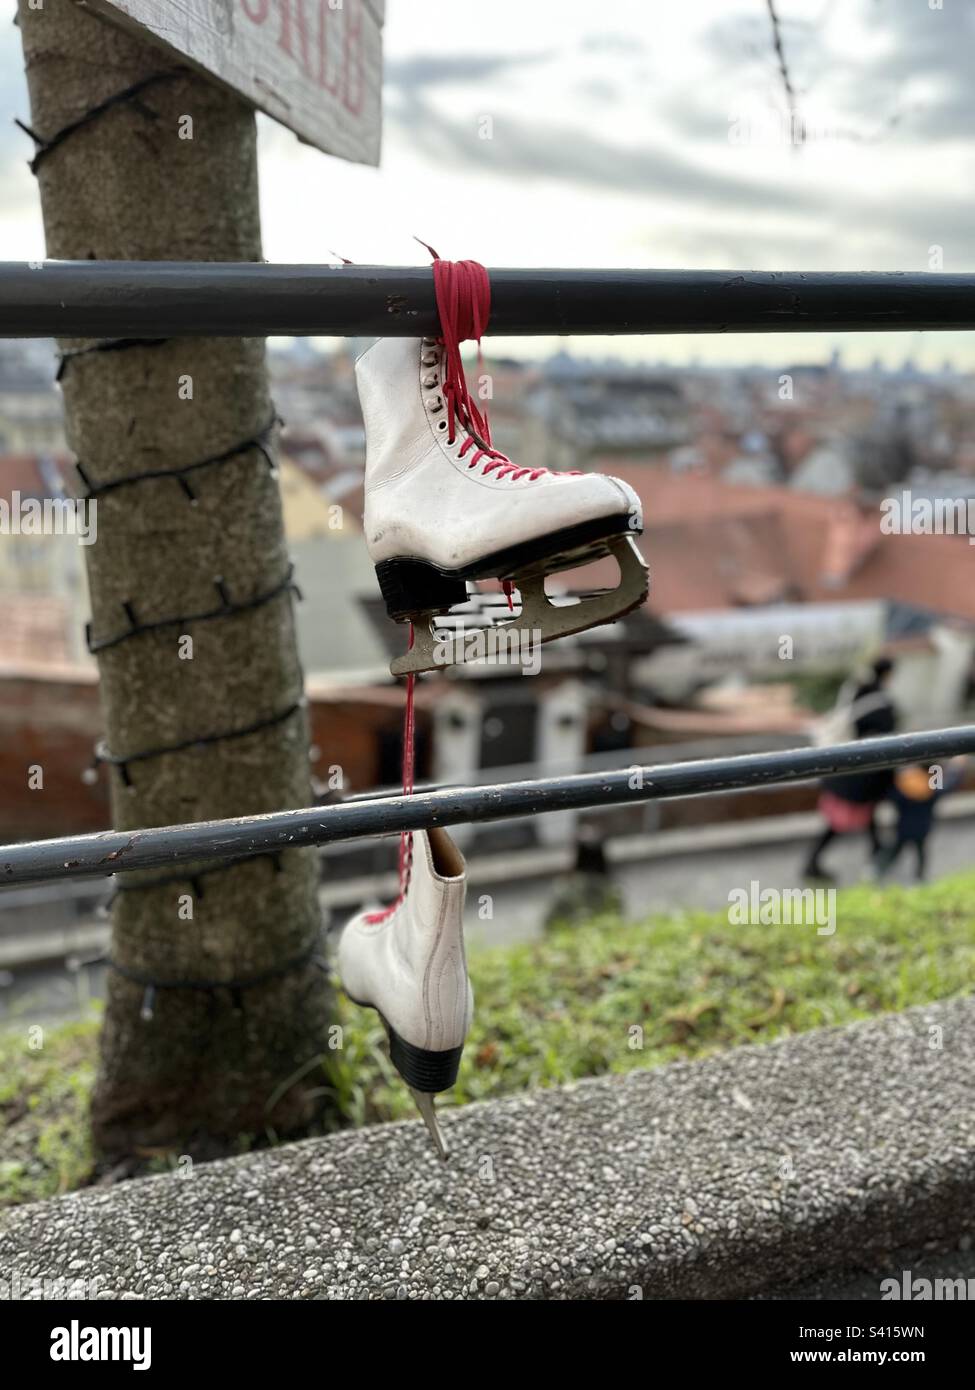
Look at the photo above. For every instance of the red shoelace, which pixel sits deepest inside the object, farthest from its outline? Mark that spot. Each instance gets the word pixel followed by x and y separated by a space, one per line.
pixel 409 758
pixel 463 290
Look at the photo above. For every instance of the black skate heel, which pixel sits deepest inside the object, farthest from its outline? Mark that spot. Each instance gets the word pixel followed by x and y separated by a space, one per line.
pixel 421 1069
pixel 411 587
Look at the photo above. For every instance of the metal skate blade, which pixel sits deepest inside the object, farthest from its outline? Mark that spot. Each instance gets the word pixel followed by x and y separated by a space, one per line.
pixel 425 1105
pixel 540 614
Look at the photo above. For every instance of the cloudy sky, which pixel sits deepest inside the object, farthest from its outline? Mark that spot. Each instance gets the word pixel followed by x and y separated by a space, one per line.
pixel 635 132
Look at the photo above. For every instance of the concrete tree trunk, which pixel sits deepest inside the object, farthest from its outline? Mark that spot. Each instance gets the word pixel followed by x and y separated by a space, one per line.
pixel 173 176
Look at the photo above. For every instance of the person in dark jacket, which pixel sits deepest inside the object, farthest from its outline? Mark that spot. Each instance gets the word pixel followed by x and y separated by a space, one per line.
pixel 915 798
pixel 848 803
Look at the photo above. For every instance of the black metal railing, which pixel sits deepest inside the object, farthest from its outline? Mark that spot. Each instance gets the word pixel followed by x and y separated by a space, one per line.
pixel 94 299
pixel 123 851
pixel 88 299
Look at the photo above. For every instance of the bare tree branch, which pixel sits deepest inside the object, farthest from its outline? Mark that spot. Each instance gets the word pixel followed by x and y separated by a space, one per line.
pixel 790 91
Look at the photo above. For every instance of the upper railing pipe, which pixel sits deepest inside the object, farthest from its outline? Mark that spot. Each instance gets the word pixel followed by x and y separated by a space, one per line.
pixel 111 299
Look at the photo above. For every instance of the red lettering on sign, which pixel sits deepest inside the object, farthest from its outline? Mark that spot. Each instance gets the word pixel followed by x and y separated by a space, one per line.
pixel 322 76
pixel 352 97
pixel 284 38
pixel 312 45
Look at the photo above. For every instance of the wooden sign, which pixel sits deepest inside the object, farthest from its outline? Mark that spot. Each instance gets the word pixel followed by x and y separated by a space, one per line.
pixel 314 65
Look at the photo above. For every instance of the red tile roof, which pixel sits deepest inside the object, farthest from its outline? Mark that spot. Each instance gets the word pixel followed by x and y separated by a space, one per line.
pixel 22 473
pixel 34 631
pixel 712 544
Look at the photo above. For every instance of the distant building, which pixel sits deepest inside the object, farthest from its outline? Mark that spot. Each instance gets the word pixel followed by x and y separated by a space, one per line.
pixel 43 585
pixel 31 418
pixel 581 410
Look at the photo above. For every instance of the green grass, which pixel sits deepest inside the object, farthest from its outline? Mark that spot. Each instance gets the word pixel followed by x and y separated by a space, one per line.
pixel 45 1081
pixel 610 996
pixel 606 997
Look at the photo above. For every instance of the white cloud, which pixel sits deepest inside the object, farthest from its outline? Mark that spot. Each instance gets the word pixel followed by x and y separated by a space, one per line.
pixel 611 146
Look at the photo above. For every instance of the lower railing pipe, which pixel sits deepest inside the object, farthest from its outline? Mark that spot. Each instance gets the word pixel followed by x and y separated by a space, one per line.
pixel 121 851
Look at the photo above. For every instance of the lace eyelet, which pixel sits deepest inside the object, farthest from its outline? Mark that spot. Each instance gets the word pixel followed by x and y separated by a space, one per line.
pixel 442 425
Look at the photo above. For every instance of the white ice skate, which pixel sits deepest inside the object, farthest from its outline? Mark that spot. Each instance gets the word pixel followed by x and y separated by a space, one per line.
pixel 408 963
pixel 443 507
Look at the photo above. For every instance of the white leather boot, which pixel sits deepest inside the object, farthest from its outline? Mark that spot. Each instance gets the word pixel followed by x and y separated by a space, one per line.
pixel 408 963
pixel 443 507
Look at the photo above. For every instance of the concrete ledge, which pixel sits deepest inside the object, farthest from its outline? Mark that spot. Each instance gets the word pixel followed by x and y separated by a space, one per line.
pixel 715 1179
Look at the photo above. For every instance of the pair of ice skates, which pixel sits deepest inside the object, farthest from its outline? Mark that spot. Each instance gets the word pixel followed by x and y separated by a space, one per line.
pixel 443 507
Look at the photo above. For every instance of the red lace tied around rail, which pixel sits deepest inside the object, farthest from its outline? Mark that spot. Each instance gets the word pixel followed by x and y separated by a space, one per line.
pixel 463 291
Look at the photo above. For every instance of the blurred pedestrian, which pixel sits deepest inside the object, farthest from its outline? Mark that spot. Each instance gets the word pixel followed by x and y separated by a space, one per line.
pixel 915 792
pixel 848 802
